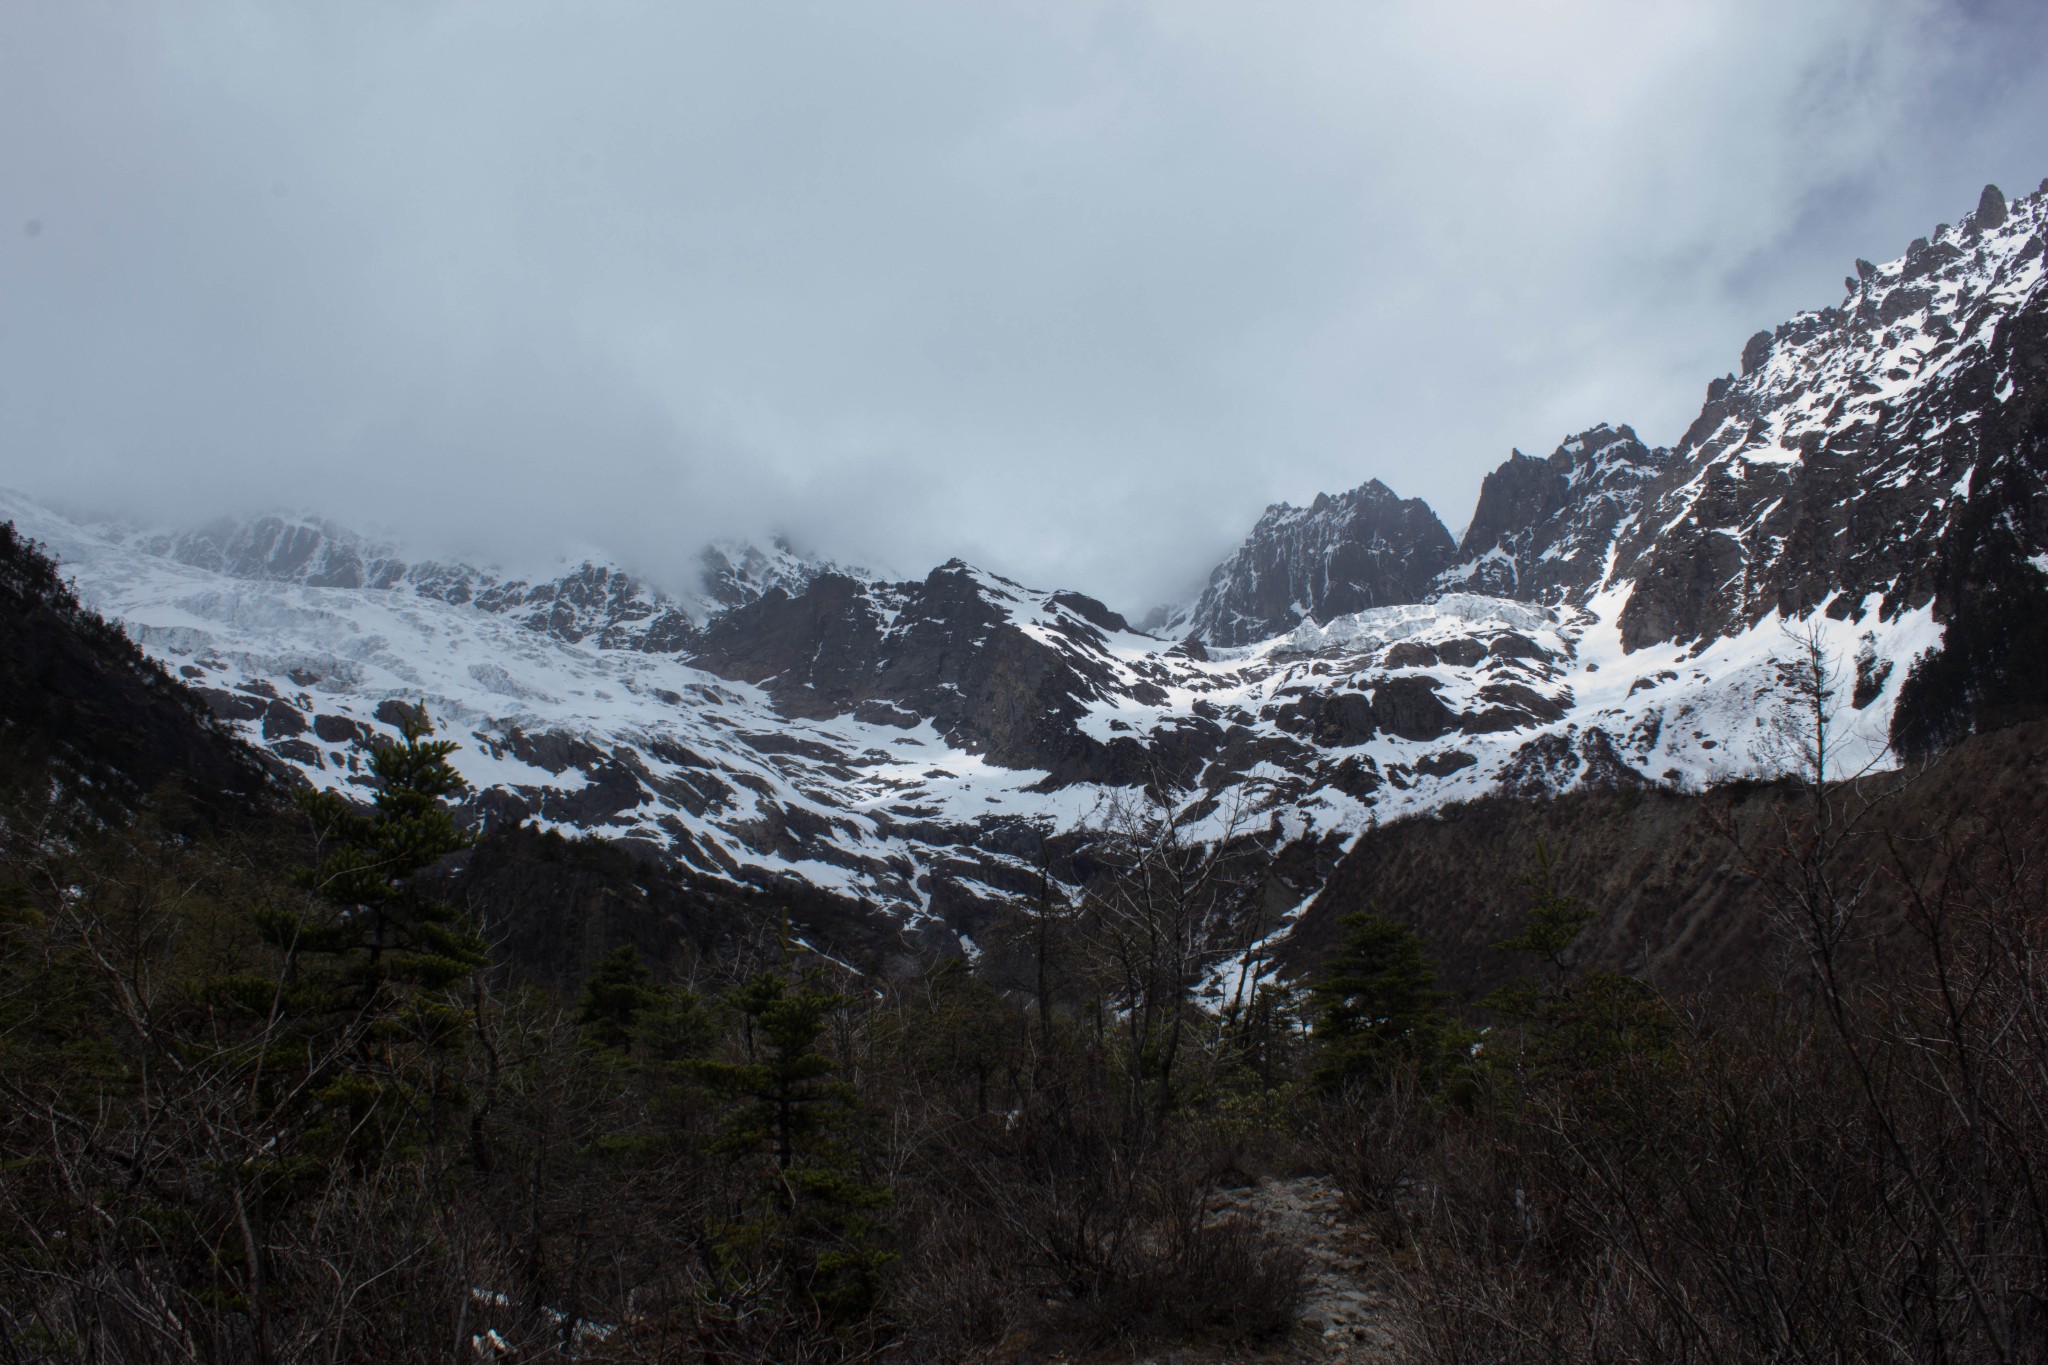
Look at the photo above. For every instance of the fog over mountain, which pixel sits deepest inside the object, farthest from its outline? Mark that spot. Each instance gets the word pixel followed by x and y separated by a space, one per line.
pixel 1072 291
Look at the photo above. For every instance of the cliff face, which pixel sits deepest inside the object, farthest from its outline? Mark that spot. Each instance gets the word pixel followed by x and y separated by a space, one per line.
pixel 1543 529
pixel 1828 474
pixel 1366 548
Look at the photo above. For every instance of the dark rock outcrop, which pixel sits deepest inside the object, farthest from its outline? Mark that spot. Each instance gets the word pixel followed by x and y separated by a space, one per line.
pixel 1365 548
pixel 1331 719
pixel 1410 708
pixel 1990 577
pixel 1542 528
pixel 949 649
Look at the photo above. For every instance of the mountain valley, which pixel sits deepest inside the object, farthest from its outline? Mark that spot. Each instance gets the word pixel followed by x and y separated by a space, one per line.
pixel 1616 615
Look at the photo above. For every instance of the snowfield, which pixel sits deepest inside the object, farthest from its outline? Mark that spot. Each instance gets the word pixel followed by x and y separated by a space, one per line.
pixel 647 747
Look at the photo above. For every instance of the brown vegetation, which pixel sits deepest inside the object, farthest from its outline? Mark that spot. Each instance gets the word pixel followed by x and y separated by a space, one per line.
pixel 1850 1166
pixel 253 1114
pixel 282 1093
pixel 1677 902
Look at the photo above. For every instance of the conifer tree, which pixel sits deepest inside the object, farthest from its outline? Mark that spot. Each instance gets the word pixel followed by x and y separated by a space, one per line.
pixel 614 997
pixel 790 1119
pixel 1555 919
pixel 1554 923
pixel 1572 1022
pixel 370 962
pixel 1377 1008
pixel 388 927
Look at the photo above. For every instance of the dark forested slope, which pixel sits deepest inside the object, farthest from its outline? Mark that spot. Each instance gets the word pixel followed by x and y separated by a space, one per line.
pixel 1682 884
pixel 85 714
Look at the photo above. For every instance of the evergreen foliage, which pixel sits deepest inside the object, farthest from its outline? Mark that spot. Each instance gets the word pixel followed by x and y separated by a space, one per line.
pixel 1567 1023
pixel 377 918
pixel 616 994
pixel 1555 919
pixel 1377 1009
pixel 373 960
pixel 790 1119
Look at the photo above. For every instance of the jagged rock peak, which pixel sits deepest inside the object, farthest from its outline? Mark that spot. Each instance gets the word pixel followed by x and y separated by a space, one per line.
pixel 1825 471
pixel 1990 209
pixel 1542 527
pixel 1831 469
pixel 736 572
pixel 1343 553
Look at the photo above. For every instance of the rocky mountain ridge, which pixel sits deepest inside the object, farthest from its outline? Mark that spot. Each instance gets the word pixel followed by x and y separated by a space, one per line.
pixel 1613 616
pixel 919 746
pixel 1822 476
pixel 1542 528
pixel 603 602
pixel 1365 548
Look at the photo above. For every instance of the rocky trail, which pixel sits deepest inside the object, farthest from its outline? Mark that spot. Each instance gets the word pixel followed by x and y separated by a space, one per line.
pixel 1344 1316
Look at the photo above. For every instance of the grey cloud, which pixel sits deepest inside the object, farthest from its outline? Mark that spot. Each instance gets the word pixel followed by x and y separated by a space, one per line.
pixel 1071 290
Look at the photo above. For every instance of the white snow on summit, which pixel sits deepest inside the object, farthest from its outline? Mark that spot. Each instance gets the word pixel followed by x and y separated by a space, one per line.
pixel 644 746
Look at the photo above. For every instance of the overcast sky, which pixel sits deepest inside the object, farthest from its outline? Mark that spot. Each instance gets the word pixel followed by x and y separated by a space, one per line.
pixel 1071 290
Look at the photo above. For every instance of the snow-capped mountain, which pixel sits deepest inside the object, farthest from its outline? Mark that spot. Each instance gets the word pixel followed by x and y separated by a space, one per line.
pixel 1615 614
pixel 583 600
pixel 1823 475
pixel 1543 529
pixel 913 744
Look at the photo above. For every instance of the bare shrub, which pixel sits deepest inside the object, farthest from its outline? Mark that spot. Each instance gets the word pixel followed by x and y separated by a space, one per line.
pixel 1851 1173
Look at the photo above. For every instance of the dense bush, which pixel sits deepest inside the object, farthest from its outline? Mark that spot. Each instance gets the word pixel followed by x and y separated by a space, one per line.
pixel 258 1111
